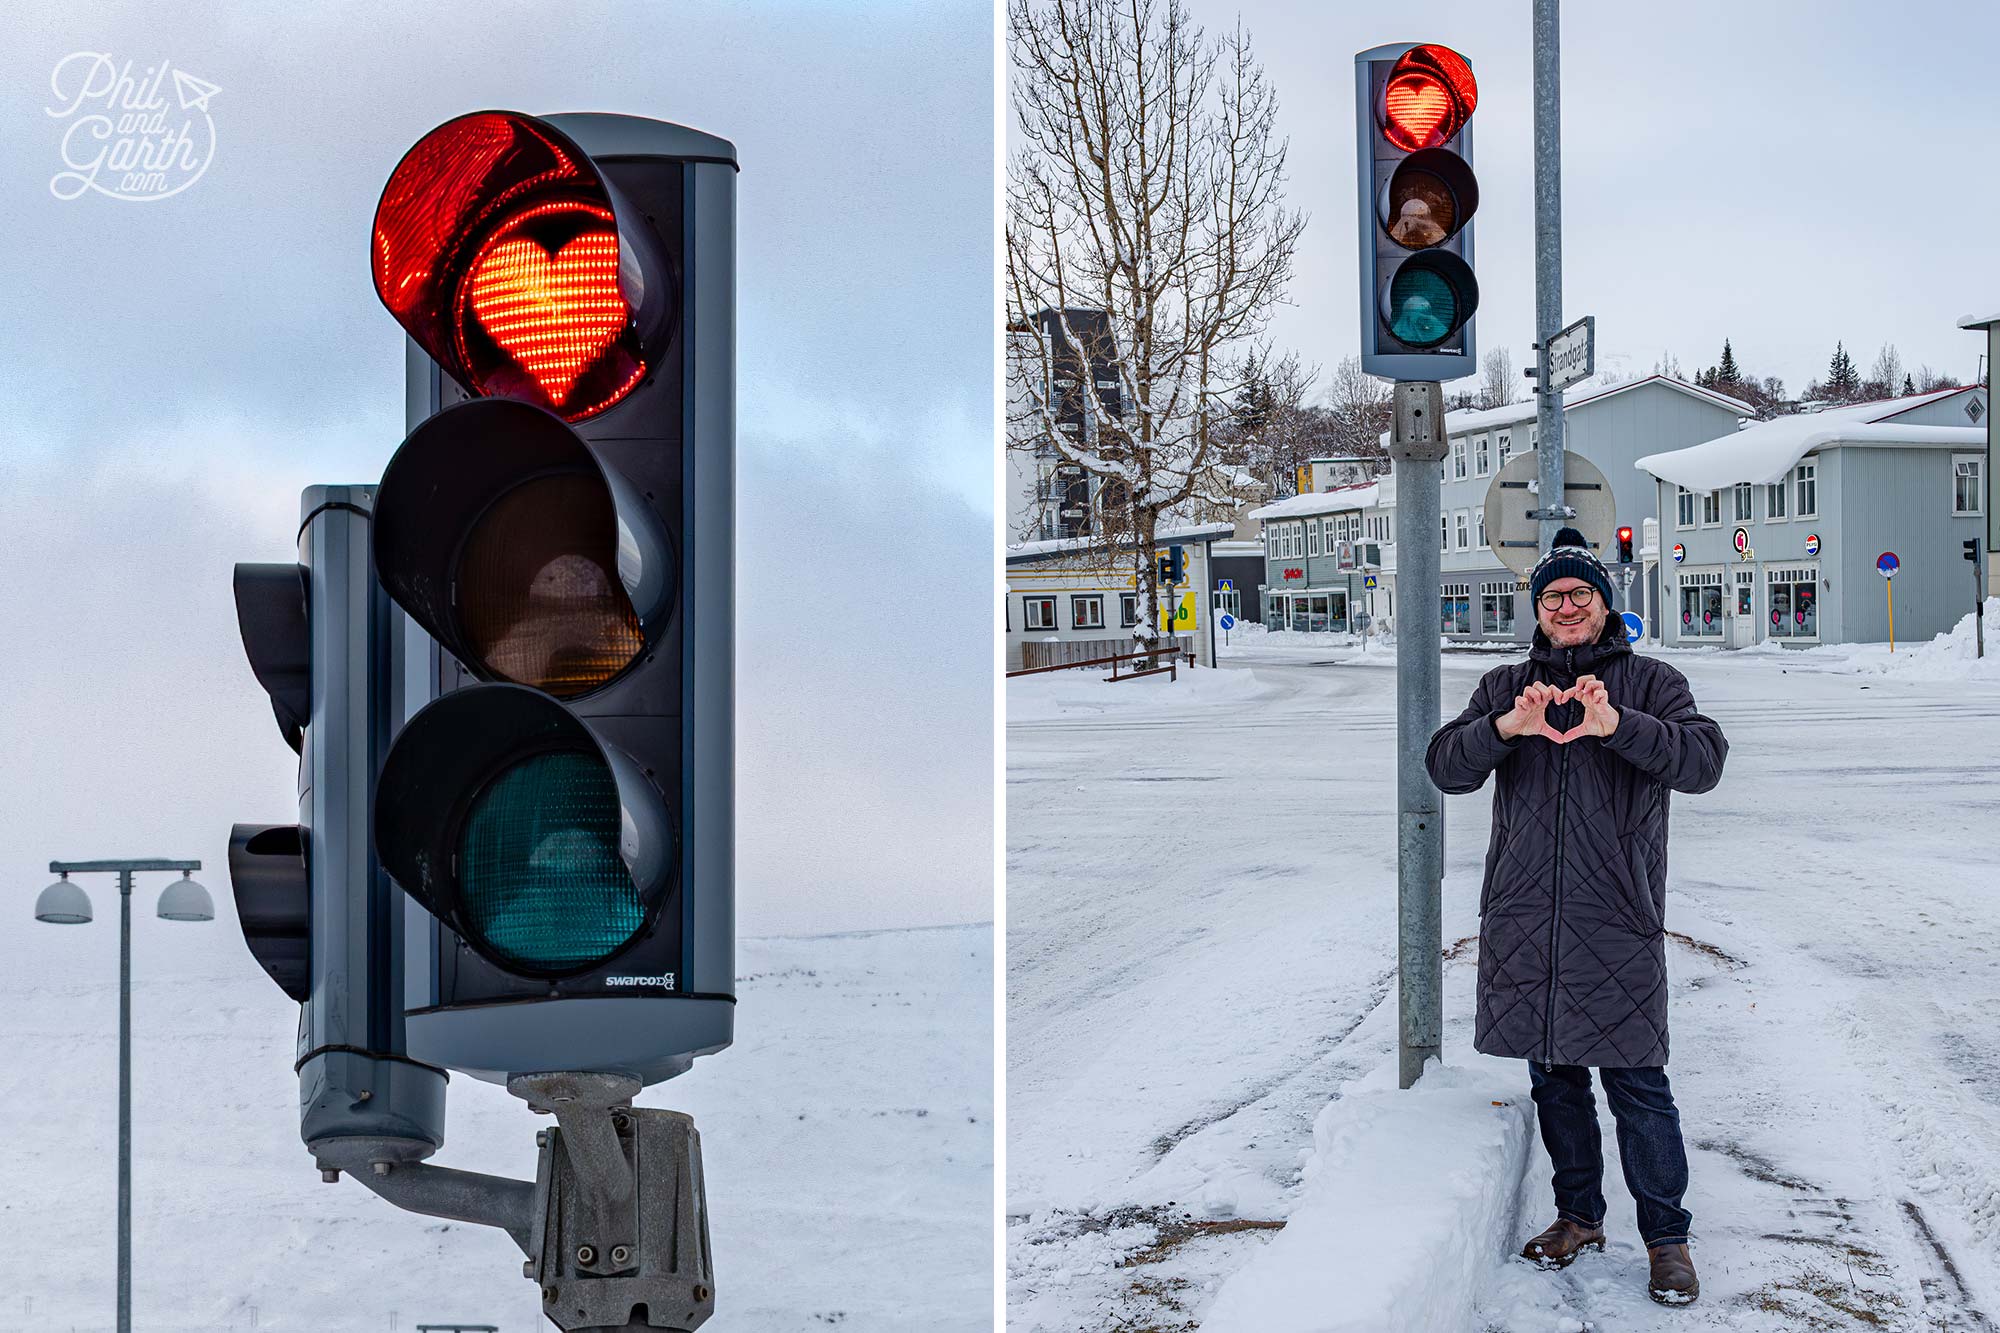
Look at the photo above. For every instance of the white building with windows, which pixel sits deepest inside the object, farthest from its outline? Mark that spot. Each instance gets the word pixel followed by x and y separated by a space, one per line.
pixel 1774 531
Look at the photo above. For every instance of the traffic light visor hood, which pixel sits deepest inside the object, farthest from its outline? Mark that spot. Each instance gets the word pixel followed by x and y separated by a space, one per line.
pixel 513 262
pixel 499 531
pixel 544 849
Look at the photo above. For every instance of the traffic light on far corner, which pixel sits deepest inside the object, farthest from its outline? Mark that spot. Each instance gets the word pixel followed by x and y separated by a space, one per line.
pixel 1972 549
pixel 1172 566
pixel 1416 195
pixel 1624 546
pixel 562 529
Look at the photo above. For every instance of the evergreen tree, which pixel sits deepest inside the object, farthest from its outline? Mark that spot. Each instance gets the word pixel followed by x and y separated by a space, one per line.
pixel 1909 386
pixel 1726 373
pixel 1843 381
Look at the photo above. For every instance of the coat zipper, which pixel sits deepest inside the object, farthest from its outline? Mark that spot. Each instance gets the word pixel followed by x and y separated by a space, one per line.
pixel 1555 914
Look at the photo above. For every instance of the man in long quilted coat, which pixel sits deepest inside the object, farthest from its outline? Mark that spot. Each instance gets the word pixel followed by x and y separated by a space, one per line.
pixel 1587 739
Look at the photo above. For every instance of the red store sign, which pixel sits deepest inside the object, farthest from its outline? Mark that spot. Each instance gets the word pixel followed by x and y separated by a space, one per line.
pixel 1295 573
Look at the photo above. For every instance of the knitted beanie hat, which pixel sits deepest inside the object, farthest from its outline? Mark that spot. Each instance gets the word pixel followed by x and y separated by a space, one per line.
pixel 1569 558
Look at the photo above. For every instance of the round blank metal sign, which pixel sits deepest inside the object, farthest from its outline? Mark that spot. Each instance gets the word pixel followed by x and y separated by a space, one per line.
pixel 1516 538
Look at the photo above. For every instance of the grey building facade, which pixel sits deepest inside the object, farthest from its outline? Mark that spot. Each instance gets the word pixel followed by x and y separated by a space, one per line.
pixel 1773 533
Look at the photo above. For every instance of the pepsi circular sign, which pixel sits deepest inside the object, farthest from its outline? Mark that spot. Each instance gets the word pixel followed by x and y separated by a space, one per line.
pixel 1888 564
pixel 1812 543
pixel 1680 553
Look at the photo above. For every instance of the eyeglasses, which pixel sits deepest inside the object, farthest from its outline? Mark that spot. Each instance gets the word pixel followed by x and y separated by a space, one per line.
pixel 1552 601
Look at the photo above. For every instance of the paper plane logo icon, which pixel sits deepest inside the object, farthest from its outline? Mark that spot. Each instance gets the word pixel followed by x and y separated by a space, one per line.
pixel 194 93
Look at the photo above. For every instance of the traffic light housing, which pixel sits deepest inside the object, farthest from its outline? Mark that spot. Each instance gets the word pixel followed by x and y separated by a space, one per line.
pixel 1625 546
pixel 1972 549
pixel 559 527
pixel 1172 566
pixel 1416 195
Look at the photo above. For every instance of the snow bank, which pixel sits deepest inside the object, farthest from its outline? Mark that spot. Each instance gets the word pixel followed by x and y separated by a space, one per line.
pixel 1948 658
pixel 1408 1197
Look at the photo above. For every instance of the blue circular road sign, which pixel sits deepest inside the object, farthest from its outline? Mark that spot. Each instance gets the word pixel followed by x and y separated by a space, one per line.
pixel 1634 626
pixel 1888 564
pixel 1228 621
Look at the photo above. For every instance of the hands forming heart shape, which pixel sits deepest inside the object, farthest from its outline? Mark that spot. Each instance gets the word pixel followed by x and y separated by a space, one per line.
pixel 1530 715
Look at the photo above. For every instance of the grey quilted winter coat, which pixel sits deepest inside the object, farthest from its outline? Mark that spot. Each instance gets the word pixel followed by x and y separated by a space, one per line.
pixel 1572 946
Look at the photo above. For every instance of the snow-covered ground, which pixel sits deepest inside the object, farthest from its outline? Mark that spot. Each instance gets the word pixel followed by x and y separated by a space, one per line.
pixel 847 1139
pixel 1201 917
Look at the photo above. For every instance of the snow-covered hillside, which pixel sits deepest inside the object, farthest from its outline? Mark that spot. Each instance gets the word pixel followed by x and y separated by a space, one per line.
pixel 847 1139
pixel 1201 908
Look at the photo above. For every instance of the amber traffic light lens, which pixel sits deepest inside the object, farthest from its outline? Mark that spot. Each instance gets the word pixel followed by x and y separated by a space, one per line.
pixel 539 599
pixel 1430 95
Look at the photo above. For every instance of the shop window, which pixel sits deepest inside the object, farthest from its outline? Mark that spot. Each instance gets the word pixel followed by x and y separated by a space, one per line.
pixel 1086 612
pixel 1805 480
pixel 1793 596
pixel 1701 606
pixel 1128 609
pixel 1745 505
pixel 1965 489
pixel 1038 612
pixel 1457 607
pixel 1496 608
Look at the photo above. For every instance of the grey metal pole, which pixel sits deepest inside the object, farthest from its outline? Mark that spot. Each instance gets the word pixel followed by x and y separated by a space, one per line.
pixel 1417 444
pixel 1548 262
pixel 124 1101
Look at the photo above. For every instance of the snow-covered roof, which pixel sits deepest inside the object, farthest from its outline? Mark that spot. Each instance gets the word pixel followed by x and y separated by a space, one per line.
pixel 1978 321
pixel 1768 450
pixel 1467 419
pixel 1340 498
pixel 1026 552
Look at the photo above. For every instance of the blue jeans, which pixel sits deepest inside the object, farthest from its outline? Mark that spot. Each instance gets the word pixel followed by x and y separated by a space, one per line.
pixel 1649 1146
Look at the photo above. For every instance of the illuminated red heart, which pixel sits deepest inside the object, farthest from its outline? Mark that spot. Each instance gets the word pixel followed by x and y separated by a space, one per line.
pixel 552 313
pixel 1415 105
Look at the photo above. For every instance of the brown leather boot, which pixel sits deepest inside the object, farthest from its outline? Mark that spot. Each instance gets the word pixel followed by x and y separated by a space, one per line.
pixel 1673 1281
pixel 1561 1243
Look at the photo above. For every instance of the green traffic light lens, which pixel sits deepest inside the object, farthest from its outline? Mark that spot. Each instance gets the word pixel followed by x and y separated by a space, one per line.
pixel 1423 307
pixel 541 882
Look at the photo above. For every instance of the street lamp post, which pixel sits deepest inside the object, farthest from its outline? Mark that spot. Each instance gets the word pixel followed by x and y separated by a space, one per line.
pixel 65 904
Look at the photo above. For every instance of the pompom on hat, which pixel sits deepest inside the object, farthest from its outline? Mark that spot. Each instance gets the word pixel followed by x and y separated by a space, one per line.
pixel 1569 558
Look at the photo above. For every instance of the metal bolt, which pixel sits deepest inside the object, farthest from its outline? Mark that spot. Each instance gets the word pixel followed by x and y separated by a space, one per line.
pixel 586 1255
pixel 548 1293
pixel 381 1168
pixel 700 1292
pixel 329 1174
pixel 527 1268
pixel 541 1138
pixel 619 1254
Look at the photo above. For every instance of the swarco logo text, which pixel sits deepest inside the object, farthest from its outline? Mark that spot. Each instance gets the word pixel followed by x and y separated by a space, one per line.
pixel 665 979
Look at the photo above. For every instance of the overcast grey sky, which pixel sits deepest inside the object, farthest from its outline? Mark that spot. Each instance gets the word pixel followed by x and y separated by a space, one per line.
pixel 173 372
pixel 1783 173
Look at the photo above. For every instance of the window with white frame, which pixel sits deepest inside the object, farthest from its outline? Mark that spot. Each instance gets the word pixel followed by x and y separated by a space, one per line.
pixel 1086 612
pixel 1745 502
pixel 1458 458
pixel 1506 447
pixel 1683 507
pixel 1463 542
pixel 1701 604
pixel 1270 543
pixel 1456 605
pixel 1496 608
pixel 1312 536
pixel 1774 501
pixel 1038 612
pixel 1444 532
pixel 1482 454
pixel 1711 508
pixel 1793 595
pixel 1128 609
pixel 1967 497
pixel 1805 487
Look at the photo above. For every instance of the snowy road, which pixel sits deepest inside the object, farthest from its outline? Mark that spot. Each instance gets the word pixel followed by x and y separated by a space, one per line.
pixel 1201 924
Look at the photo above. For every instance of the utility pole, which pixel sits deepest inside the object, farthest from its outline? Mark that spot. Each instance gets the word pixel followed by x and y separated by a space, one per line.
pixel 1417 444
pixel 1552 512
